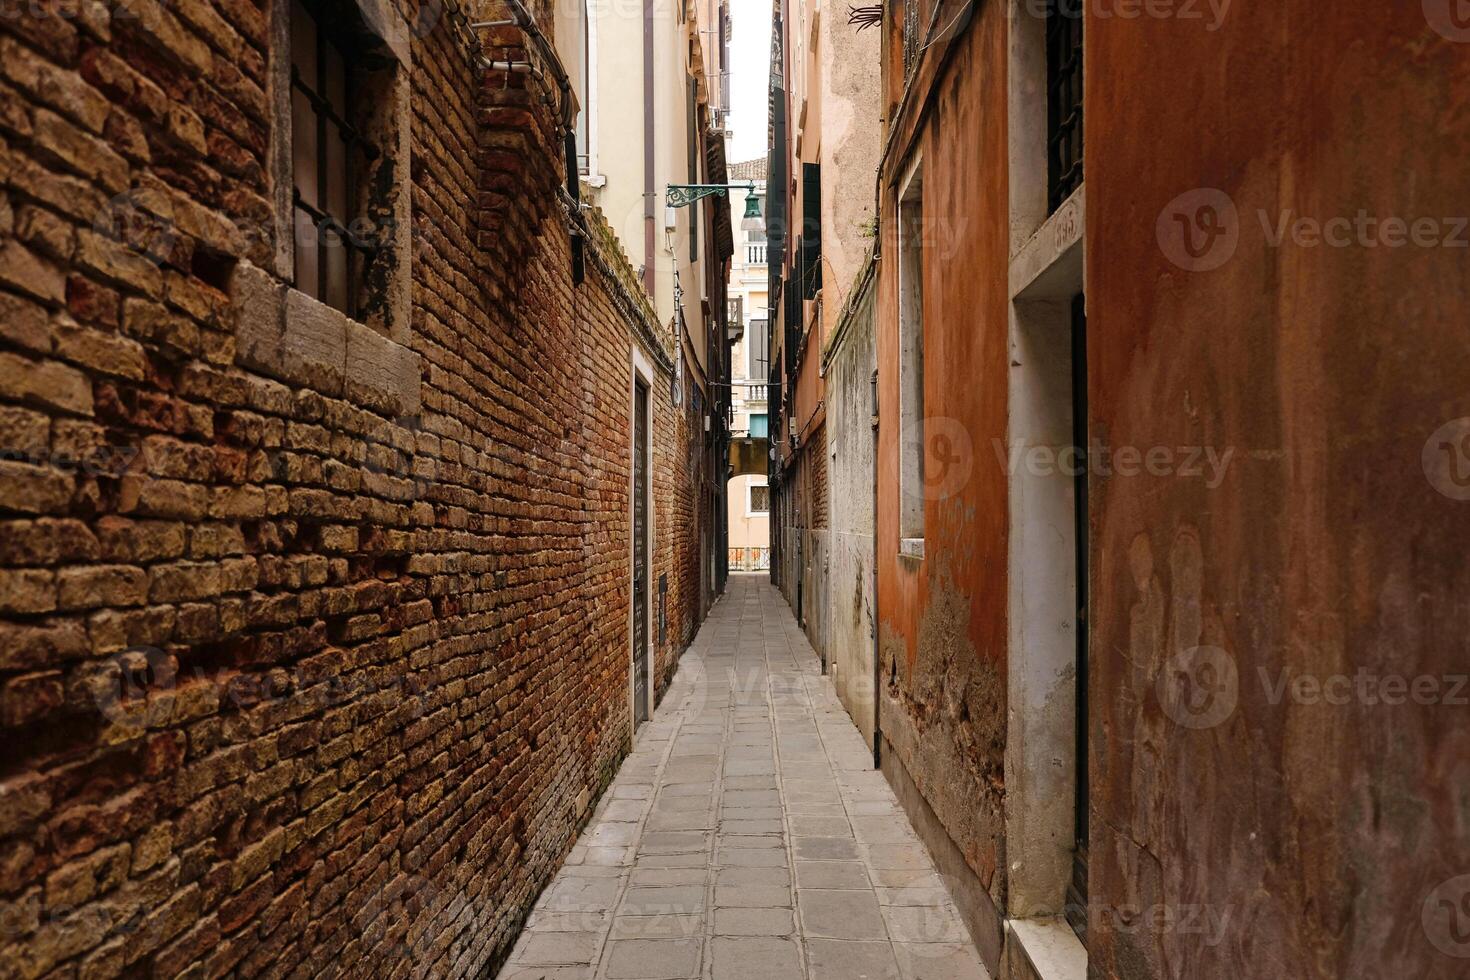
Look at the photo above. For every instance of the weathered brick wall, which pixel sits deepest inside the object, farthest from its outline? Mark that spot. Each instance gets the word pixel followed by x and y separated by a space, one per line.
pixel 313 656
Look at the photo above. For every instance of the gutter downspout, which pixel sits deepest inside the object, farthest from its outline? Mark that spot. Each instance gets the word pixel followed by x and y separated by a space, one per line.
pixel 592 86
pixel 650 195
pixel 877 416
pixel 877 665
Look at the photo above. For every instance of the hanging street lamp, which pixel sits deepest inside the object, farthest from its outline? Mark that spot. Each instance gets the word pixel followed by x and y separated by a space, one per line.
pixel 682 195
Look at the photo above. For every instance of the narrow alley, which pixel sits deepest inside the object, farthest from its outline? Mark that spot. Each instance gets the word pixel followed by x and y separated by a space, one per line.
pixel 734 490
pixel 747 835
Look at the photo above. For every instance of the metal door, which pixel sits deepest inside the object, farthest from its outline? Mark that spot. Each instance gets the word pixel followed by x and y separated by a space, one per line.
pixel 640 553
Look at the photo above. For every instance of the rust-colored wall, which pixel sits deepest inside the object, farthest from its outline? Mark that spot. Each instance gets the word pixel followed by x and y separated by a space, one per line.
pixel 1318 833
pixel 942 626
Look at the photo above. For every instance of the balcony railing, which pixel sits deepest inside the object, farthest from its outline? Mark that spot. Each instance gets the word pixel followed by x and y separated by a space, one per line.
pixel 755 254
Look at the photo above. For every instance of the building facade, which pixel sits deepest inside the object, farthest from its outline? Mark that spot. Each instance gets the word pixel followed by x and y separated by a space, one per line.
pixel 346 536
pixel 1159 460
pixel 749 492
pixel 655 88
pixel 825 142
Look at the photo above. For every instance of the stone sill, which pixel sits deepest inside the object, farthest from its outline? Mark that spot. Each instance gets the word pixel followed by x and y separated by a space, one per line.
pixel 1050 947
pixel 1058 238
pixel 287 335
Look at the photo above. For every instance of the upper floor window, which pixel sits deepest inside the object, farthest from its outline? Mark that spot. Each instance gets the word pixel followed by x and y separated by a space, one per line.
pixel 336 230
pixel 912 446
pixel 759 348
pixel 1063 100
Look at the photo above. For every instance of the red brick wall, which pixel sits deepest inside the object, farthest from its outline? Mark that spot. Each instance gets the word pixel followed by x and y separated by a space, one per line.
pixel 295 680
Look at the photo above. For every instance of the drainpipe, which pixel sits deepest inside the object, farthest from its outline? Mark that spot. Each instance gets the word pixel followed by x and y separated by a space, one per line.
pixel 877 666
pixel 650 196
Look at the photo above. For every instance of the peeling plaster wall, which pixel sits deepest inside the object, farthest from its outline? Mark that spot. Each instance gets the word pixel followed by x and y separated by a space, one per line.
pixel 850 586
pixel 851 140
pixel 942 623
pixel 1317 833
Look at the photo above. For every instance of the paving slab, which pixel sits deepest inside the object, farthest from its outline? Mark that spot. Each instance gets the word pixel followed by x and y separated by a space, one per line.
pixel 652 959
pixel 746 958
pixel 747 836
pixel 840 914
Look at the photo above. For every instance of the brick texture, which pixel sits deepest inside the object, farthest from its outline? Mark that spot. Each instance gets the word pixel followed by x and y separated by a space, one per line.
pixel 304 670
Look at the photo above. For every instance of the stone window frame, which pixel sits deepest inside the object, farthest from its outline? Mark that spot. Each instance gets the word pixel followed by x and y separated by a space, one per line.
pixel 391 131
pixel 1047 269
pixel 283 333
pixel 912 499
pixel 750 510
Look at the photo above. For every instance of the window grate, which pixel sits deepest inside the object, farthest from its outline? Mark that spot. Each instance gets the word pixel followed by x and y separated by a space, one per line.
pixel 1063 100
pixel 331 247
pixel 910 35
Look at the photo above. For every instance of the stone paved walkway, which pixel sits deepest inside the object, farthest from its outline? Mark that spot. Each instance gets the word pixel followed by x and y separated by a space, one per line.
pixel 747 837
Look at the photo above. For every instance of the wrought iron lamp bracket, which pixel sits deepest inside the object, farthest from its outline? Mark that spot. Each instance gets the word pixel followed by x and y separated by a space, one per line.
pixel 682 195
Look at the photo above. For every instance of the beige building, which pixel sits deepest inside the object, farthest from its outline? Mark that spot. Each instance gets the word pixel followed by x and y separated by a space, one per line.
pixel 652 85
pixel 650 80
pixel 749 495
pixel 826 141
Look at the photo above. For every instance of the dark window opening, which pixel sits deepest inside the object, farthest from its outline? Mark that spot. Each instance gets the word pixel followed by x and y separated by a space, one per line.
pixel 1063 100
pixel 810 257
pixel 695 210
pixel 335 238
pixel 760 499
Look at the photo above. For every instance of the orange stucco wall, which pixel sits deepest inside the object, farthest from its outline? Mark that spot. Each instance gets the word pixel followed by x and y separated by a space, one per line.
pixel 942 623
pixel 1321 831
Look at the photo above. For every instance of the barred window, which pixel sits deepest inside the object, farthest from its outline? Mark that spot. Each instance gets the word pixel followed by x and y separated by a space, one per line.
pixel 1063 100
pixel 334 239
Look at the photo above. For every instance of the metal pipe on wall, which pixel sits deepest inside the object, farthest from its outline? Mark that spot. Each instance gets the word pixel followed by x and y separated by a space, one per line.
pixel 650 194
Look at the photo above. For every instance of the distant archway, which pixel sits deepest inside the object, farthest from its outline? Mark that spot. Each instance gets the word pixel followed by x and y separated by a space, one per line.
pixel 749 456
